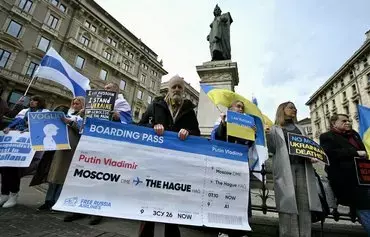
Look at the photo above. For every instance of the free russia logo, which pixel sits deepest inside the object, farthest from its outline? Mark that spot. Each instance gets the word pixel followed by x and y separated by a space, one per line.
pixel 71 202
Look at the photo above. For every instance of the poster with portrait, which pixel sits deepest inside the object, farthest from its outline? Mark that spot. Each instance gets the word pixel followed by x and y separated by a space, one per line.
pixel 47 131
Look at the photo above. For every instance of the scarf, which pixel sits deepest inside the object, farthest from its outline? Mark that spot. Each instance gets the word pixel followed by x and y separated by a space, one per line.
pixel 173 106
pixel 349 135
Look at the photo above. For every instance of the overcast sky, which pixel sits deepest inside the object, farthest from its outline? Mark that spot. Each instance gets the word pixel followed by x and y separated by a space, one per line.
pixel 285 49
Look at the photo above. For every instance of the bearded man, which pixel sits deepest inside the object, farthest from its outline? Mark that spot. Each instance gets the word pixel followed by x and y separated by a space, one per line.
pixel 171 113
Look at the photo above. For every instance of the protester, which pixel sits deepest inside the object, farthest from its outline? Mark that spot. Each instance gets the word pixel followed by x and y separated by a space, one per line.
pixel 63 158
pixel 6 111
pixel 171 113
pixel 342 144
pixel 43 167
pixel 221 131
pixel 221 134
pixel 122 109
pixel 20 123
pixel 296 194
pixel 121 113
pixel 11 176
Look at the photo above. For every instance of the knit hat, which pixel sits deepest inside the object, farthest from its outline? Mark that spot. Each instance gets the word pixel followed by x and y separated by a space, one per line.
pixel 176 80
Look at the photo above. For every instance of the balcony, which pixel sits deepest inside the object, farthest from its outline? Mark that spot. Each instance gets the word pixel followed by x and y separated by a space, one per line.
pixel 355 96
pixel 327 113
pixel 54 32
pixel 26 15
pixel 334 110
pixel 345 102
pixel 143 84
pixel 367 87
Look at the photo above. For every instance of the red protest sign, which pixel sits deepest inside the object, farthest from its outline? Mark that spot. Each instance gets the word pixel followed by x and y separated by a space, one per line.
pixel 363 171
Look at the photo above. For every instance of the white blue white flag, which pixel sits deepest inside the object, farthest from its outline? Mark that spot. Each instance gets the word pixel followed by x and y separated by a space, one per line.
pixel 53 67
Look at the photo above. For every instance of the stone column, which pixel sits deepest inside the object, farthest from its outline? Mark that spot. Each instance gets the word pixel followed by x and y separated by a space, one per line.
pixel 220 74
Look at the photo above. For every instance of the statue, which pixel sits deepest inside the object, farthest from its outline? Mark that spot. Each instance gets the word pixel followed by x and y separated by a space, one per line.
pixel 219 37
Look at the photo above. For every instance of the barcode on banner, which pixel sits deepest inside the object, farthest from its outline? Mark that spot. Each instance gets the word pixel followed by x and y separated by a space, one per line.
pixel 225 219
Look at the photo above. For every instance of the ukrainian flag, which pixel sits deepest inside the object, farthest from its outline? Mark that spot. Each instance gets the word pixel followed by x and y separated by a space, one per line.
pixel 258 152
pixel 364 119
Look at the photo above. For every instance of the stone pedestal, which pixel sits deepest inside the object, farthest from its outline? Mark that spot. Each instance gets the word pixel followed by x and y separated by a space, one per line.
pixel 219 74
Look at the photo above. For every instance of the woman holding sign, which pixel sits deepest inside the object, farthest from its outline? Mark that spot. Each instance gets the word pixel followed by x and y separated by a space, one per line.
pixel 294 178
pixel 62 158
pixel 11 176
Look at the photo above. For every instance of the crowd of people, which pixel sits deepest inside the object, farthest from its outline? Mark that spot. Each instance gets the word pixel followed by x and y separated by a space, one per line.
pixel 296 193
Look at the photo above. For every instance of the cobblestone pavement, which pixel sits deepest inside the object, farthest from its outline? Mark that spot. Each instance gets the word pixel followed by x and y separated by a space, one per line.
pixel 25 221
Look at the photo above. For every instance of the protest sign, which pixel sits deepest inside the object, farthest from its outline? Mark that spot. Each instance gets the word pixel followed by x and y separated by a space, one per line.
pixel 159 178
pixel 99 104
pixel 15 149
pixel 48 132
pixel 363 171
pixel 300 145
pixel 240 125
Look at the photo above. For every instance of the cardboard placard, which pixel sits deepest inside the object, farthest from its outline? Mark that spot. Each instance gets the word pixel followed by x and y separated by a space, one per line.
pixel 240 125
pixel 300 145
pixel 99 104
pixel 363 171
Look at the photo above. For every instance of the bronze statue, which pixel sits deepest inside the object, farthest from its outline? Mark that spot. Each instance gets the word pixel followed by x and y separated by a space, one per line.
pixel 219 37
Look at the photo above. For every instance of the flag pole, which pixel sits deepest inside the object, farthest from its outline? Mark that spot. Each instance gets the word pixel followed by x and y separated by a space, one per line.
pixel 25 93
pixel 219 109
pixel 29 85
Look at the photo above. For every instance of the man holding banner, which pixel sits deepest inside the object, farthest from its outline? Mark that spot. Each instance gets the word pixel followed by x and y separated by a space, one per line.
pixel 342 144
pixel 172 113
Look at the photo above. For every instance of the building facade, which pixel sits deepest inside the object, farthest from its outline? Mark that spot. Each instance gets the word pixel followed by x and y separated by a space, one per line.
pixel 343 91
pixel 306 126
pixel 190 93
pixel 87 37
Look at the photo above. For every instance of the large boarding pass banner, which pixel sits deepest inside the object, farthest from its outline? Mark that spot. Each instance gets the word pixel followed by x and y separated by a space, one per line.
pixel 127 171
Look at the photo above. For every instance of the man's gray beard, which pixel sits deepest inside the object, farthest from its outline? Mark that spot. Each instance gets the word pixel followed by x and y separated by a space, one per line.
pixel 177 99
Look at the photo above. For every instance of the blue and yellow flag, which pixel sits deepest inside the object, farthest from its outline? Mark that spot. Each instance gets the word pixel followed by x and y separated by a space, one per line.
pixel 258 152
pixel 364 120
pixel 240 125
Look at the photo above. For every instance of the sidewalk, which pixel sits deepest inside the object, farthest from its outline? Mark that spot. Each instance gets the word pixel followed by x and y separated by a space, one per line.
pixel 24 220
